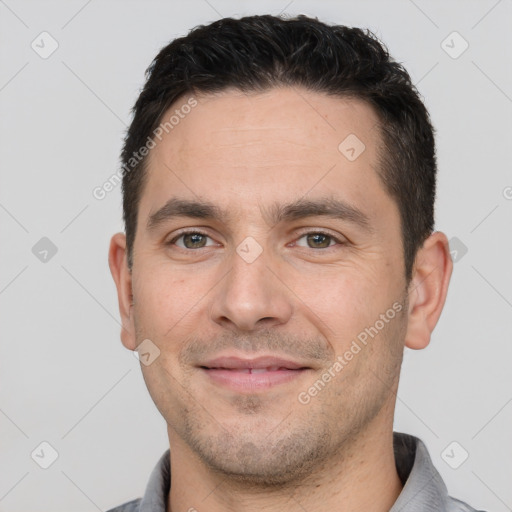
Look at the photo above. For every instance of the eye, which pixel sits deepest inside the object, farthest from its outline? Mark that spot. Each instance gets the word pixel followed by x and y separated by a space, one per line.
pixel 318 240
pixel 198 240
pixel 191 240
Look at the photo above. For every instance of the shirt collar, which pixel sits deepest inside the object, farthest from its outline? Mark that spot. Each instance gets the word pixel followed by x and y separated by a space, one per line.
pixel 423 490
pixel 157 490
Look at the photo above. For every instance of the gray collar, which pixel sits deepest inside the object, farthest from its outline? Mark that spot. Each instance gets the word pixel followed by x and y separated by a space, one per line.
pixel 424 489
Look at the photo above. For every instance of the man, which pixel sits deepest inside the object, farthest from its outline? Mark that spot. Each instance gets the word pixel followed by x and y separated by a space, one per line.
pixel 278 194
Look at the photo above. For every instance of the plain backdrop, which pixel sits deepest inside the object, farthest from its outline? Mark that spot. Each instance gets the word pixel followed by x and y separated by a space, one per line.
pixel 66 379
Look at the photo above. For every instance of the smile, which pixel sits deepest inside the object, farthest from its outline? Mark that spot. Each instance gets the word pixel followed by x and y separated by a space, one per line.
pixel 249 375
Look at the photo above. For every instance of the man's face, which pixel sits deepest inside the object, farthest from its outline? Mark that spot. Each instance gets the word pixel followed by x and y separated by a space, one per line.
pixel 251 308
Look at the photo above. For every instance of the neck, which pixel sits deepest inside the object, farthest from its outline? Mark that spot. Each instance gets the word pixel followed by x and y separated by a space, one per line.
pixel 361 476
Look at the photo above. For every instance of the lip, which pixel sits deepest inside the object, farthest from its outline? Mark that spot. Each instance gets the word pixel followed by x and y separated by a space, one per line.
pixel 238 363
pixel 252 374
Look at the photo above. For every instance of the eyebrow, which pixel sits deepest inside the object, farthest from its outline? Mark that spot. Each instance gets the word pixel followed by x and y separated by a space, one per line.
pixel 275 213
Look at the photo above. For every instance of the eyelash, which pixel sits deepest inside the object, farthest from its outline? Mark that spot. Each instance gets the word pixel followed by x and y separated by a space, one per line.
pixel 313 232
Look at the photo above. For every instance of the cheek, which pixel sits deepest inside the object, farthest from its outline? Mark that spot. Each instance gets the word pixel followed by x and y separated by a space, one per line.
pixel 343 302
pixel 167 303
pixel 339 294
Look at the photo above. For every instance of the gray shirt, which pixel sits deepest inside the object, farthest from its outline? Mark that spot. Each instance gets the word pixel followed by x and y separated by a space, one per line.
pixel 424 489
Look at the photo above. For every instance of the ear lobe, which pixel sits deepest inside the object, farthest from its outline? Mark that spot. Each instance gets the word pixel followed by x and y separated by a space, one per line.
pixel 428 289
pixel 117 261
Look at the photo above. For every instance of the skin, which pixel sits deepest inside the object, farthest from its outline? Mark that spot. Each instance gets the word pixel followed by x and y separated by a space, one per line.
pixel 303 297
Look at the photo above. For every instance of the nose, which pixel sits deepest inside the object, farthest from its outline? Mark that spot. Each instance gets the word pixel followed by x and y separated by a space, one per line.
pixel 252 295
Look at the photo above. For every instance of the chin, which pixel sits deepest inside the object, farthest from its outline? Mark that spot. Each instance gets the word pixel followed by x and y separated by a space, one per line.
pixel 257 457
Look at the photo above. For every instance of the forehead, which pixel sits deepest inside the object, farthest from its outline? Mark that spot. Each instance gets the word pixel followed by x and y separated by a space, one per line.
pixel 281 119
pixel 281 144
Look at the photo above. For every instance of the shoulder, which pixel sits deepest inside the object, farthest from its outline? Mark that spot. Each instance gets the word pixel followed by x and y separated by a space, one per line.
pixel 455 505
pixel 129 506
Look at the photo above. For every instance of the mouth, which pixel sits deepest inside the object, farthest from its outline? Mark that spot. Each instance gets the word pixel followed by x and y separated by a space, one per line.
pixel 249 375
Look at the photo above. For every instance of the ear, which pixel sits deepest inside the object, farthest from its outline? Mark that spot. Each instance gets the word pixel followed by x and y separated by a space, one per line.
pixel 428 289
pixel 118 263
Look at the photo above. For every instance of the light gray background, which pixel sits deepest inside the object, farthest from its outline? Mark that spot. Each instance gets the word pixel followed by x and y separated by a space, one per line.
pixel 66 378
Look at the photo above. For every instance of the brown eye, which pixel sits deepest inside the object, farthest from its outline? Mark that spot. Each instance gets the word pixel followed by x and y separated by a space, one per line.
pixel 318 240
pixel 190 240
